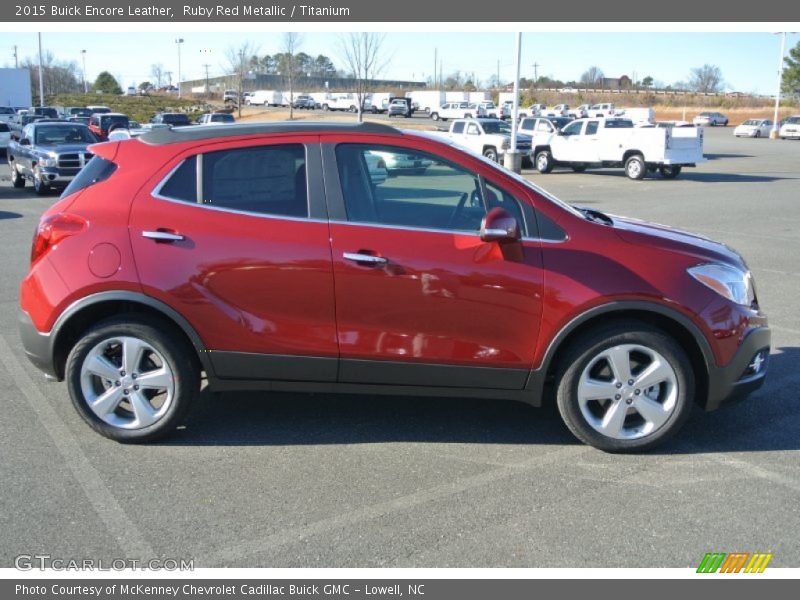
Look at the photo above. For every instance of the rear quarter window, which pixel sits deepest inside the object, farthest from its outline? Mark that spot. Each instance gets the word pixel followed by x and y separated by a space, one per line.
pixel 98 169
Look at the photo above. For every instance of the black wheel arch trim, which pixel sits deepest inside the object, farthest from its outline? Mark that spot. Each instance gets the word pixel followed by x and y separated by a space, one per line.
pixel 134 297
pixel 538 376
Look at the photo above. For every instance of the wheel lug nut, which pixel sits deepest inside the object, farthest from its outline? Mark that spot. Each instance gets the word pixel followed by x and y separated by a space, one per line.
pixel 629 401
pixel 630 381
pixel 126 391
pixel 617 397
pixel 619 385
pixel 136 387
pixel 133 375
pixel 122 373
pixel 637 392
pixel 116 383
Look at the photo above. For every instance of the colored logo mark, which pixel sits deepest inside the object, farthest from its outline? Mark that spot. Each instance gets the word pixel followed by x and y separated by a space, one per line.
pixel 735 562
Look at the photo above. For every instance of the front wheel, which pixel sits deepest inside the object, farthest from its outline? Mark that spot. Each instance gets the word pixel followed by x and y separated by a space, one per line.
pixel 635 167
pixel 491 154
pixel 39 186
pixel 544 161
pixel 435 116
pixel 625 387
pixel 669 171
pixel 131 380
pixel 17 180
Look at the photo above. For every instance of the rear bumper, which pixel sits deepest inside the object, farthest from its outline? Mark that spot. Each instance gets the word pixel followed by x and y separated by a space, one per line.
pixel 733 381
pixel 38 346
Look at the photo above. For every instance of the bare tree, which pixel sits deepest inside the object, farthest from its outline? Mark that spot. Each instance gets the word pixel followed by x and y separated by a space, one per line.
pixel 592 76
pixel 706 79
pixel 238 63
pixel 291 44
pixel 361 55
pixel 157 73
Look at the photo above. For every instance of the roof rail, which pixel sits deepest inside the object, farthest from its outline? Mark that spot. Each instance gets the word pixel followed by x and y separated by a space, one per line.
pixel 161 136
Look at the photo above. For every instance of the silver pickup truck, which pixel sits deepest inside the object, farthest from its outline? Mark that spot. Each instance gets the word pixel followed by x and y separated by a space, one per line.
pixel 49 154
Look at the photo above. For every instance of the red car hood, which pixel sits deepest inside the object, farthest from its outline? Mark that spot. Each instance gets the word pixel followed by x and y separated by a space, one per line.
pixel 638 232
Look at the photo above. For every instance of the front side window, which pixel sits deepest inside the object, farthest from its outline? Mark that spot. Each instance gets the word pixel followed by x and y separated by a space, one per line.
pixel 425 192
pixel 591 128
pixel 573 128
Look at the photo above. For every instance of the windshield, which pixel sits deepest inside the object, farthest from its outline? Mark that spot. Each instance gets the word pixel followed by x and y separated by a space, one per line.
pixel 793 120
pixel 750 122
pixel 496 127
pixel 176 119
pixel 560 122
pixel 222 118
pixel 63 134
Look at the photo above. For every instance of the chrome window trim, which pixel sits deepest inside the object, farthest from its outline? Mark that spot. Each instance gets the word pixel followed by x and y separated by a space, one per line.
pixel 435 230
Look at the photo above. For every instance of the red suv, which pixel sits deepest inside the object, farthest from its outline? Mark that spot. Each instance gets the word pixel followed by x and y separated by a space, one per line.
pixel 281 257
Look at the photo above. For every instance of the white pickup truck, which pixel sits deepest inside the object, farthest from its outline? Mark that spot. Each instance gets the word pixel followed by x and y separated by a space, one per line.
pixel 617 143
pixel 488 137
pixel 456 110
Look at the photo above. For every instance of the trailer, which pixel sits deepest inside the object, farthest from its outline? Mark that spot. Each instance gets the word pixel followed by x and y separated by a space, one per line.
pixel 265 98
pixel 426 100
pixel 15 87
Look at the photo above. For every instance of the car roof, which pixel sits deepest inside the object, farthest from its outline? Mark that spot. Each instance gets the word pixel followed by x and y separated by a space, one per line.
pixel 158 137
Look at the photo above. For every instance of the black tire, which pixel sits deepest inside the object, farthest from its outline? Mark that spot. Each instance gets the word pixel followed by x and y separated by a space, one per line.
pixel 585 350
pixel 435 116
pixel 468 116
pixel 490 153
pixel 579 168
pixel 40 188
pixel 669 171
pixel 544 161
pixel 180 357
pixel 325 107
pixel 758 133
pixel 17 180
pixel 635 167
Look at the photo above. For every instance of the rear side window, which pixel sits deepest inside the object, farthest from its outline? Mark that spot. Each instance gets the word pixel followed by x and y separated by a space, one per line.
pixel 262 179
pixel 98 169
pixel 4 127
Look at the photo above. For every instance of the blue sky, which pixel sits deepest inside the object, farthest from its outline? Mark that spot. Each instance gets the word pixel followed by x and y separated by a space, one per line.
pixel 748 60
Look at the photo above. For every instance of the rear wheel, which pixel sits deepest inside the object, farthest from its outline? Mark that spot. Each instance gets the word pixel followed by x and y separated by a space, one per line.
pixel 669 171
pixel 758 134
pixel 435 116
pixel 544 161
pixel 635 167
pixel 625 387
pixel 131 380
pixel 579 168
pixel 17 180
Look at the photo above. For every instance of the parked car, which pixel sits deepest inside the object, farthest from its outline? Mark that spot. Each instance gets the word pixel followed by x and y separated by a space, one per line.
pixel 579 112
pixel 215 118
pixel 102 124
pixel 489 109
pixel 5 136
pixel 490 138
pixel 463 281
pixel 790 128
pixel 305 102
pixel 397 163
pixel 753 128
pixel 376 168
pixel 6 113
pixel 399 107
pixel 82 120
pixel 49 154
pixel 542 129
pixel 97 109
pixel 712 119
pixel 171 119
pixel 48 112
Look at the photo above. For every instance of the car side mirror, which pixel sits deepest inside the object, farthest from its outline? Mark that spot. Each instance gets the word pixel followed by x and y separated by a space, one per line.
pixel 24 142
pixel 499 225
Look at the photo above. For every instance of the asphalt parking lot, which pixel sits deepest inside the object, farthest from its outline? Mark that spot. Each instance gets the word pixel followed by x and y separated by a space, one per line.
pixel 288 480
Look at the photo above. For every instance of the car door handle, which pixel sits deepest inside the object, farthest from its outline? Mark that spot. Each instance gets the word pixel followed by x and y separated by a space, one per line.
pixel 370 259
pixel 163 236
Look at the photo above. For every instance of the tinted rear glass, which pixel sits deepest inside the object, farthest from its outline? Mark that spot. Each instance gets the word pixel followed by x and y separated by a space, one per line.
pixel 182 184
pixel 98 169
pixel 109 120
pixel 176 119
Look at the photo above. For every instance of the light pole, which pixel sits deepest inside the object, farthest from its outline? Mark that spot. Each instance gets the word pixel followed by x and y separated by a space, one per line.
pixel 85 86
pixel 774 133
pixel 178 42
pixel 512 159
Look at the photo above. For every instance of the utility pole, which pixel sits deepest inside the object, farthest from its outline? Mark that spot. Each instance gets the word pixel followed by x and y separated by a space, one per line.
pixel 178 42
pixel 512 160
pixel 85 85
pixel 536 66
pixel 435 63
pixel 169 77
pixel 41 76
pixel 774 133
pixel 206 66
pixel 16 58
pixel 497 81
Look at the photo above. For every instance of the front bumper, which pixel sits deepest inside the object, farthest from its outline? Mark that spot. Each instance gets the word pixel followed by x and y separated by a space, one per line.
pixel 737 379
pixel 55 177
pixel 37 345
pixel 791 133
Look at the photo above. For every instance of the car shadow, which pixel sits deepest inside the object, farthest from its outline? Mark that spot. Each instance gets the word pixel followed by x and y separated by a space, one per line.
pixel 717 156
pixel 9 215
pixel 686 175
pixel 767 421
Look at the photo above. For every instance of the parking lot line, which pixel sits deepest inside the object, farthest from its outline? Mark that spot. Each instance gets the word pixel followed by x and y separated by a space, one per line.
pixel 294 534
pixel 117 522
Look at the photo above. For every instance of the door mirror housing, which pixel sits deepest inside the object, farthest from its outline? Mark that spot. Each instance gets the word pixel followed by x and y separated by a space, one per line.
pixel 24 142
pixel 499 225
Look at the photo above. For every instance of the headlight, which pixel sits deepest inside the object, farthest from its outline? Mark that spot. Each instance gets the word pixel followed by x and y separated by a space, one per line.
pixel 731 283
pixel 49 162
